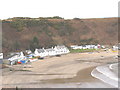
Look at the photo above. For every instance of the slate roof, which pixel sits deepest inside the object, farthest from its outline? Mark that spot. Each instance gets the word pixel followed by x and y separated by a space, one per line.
pixel 41 50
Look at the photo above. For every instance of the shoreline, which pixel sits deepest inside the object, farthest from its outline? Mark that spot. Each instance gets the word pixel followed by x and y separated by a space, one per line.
pixel 79 81
pixel 71 69
pixel 83 75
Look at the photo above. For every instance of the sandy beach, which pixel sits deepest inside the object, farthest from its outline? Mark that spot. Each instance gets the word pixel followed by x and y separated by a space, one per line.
pixel 67 71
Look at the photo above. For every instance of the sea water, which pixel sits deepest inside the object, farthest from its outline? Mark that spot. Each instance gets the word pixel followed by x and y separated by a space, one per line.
pixel 107 74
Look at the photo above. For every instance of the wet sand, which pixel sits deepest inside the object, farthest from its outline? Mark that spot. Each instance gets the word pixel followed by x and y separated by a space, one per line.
pixel 82 76
pixel 71 70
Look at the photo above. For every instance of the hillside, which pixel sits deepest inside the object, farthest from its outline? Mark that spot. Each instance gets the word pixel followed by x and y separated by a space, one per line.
pixel 24 33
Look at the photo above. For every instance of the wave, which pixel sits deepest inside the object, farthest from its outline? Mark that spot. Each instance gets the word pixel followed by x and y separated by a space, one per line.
pixel 107 73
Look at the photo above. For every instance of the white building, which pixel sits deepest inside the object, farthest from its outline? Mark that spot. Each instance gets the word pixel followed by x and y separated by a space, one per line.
pixel 96 47
pixel 16 57
pixel 50 51
pixel 1 55
pixel 76 47
pixel 57 50
pixel 40 52
pixel 61 50
pixel 45 52
pixel 84 47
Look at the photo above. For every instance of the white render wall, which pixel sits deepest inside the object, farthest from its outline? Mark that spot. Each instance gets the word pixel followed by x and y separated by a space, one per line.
pixel 1 55
pixel 42 54
pixel 57 50
pixel 84 47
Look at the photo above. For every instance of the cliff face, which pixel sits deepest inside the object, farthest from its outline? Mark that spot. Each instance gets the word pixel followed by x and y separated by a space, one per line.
pixel 19 34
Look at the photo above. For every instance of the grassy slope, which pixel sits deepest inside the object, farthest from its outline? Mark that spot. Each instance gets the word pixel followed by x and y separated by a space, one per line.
pixel 59 31
pixel 82 50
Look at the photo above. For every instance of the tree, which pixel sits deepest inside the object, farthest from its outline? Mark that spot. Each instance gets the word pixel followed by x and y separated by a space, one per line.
pixel 57 17
pixel 34 44
pixel 76 18
pixel 16 46
pixel 18 24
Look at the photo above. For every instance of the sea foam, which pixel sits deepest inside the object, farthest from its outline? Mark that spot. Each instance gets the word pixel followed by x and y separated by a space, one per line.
pixel 107 73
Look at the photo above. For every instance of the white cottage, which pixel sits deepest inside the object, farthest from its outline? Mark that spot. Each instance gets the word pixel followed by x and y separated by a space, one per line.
pixel 61 49
pixel 84 47
pixel 90 46
pixel 76 47
pixel 57 50
pixel 50 52
pixel 40 52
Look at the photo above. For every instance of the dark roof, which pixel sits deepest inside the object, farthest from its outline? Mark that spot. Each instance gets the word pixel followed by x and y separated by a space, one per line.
pixel 41 50
pixel 50 49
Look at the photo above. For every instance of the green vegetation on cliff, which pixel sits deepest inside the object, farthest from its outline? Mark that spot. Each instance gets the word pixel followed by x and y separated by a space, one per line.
pixel 22 33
